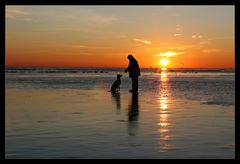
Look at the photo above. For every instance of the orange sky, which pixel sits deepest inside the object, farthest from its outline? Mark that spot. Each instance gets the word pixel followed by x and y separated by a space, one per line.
pixel 103 36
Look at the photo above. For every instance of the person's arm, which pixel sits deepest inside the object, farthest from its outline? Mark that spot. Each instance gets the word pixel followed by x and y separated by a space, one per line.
pixel 127 67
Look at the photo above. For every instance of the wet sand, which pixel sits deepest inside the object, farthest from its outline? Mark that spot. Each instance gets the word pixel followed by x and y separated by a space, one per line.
pixel 93 123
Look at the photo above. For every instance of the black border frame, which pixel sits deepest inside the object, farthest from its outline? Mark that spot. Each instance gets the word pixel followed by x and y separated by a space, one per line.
pixel 236 3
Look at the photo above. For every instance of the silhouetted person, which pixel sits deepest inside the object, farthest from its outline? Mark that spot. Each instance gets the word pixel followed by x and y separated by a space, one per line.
pixel 134 72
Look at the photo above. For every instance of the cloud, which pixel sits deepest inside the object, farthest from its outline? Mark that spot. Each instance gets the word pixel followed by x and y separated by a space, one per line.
pixel 194 36
pixel 181 47
pixel 178 27
pixel 197 36
pixel 208 51
pixel 199 45
pixel 72 29
pixel 169 54
pixel 142 41
pixel 14 12
pixel 177 34
pixel 72 16
pixel 178 30
pixel 83 53
pixel 19 13
pixel 204 42
pixel 86 16
pixel 97 17
pixel 80 46
pixel 123 36
pixel 218 38
pixel 73 53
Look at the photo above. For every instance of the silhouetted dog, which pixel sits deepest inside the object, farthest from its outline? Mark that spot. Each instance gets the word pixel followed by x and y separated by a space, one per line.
pixel 116 85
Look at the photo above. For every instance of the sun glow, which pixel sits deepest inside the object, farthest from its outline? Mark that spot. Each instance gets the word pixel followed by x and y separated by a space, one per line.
pixel 164 62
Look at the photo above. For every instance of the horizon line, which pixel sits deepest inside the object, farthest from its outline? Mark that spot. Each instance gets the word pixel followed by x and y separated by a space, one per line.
pixel 6 67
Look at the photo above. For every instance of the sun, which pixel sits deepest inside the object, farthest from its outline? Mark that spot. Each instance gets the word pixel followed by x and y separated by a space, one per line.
pixel 164 62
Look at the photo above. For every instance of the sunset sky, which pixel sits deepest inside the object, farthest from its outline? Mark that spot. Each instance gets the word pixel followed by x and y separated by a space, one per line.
pixel 103 36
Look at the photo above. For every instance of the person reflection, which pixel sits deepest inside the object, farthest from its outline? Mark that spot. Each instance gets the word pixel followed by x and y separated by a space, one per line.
pixel 117 99
pixel 133 113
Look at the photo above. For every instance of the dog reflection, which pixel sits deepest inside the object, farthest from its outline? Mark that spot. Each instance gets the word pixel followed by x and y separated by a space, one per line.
pixel 117 99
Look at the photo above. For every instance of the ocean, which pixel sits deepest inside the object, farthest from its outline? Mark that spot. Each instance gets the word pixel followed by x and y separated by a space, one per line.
pixel 69 113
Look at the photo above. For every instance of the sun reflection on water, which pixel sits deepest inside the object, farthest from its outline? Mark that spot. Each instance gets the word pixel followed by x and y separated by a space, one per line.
pixel 163 103
pixel 164 123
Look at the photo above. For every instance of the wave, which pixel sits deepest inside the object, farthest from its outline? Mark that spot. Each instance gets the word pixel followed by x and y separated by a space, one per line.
pixel 222 103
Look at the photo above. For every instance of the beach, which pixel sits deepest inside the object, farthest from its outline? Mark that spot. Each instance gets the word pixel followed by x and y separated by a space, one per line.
pixel 52 113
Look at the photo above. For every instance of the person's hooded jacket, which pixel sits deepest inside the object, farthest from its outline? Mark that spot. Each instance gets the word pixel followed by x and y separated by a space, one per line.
pixel 133 67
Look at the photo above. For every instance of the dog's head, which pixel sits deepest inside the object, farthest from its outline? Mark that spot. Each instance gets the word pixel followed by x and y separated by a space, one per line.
pixel 118 75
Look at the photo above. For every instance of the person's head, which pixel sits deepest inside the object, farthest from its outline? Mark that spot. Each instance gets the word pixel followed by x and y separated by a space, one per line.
pixel 130 57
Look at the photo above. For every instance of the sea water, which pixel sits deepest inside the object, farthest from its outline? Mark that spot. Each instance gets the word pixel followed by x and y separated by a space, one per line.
pixel 68 113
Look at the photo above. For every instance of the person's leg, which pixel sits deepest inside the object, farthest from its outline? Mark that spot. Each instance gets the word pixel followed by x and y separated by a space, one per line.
pixel 135 83
pixel 132 84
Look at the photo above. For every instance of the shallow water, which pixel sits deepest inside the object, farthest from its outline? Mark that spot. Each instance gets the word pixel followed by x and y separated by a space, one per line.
pixel 71 115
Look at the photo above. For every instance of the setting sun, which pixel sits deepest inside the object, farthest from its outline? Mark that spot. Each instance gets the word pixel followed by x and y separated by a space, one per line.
pixel 164 62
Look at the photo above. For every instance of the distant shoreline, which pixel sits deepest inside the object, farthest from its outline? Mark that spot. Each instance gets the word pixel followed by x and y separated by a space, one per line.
pixel 107 70
pixel 38 67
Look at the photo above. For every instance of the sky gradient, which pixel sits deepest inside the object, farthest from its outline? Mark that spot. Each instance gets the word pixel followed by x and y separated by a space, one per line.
pixel 103 36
